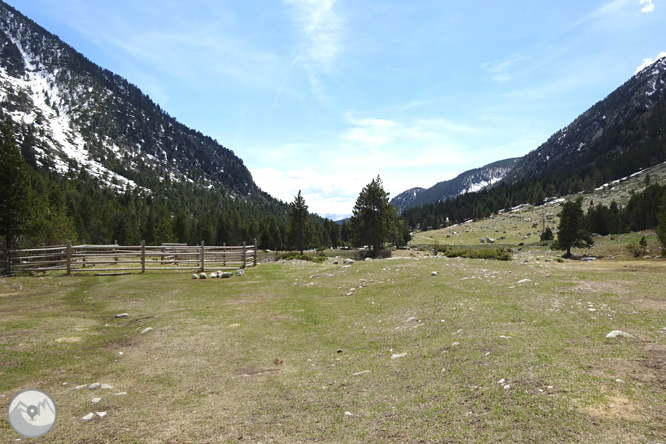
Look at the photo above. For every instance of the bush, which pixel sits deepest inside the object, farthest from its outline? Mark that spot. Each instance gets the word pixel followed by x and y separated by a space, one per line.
pixel 547 235
pixel 634 248
pixel 295 255
pixel 499 254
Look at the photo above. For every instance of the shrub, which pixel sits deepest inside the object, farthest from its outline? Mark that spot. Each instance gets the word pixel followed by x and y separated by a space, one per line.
pixel 296 255
pixel 499 254
pixel 634 248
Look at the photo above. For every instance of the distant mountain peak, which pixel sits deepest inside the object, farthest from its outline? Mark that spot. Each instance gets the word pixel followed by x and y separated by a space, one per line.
pixel 467 182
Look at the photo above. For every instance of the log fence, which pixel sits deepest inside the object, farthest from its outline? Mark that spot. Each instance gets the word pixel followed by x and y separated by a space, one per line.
pixel 144 258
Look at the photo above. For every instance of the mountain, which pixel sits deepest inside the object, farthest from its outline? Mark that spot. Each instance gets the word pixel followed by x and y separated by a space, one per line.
pixel 622 134
pixel 467 182
pixel 73 115
pixel 617 137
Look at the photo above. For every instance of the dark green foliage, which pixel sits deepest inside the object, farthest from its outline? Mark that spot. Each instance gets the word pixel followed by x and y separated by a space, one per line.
pixel 298 223
pixel 18 201
pixel 572 231
pixel 547 235
pixel 295 255
pixel 661 229
pixel 499 254
pixel 374 218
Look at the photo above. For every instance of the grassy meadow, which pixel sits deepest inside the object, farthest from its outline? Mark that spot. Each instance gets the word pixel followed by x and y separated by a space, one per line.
pixel 379 351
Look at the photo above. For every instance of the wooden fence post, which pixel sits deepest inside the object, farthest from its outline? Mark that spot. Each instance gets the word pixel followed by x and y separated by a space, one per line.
pixel 69 257
pixel 203 256
pixel 244 253
pixel 5 258
pixel 255 252
pixel 224 254
pixel 143 256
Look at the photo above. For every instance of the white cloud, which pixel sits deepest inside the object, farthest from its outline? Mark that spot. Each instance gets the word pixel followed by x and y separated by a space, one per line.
pixel 647 62
pixel 649 6
pixel 614 7
pixel 331 191
pixel 499 70
pixel 322 28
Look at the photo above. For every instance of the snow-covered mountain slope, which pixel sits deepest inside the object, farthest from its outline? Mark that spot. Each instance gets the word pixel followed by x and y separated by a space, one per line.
pixel 71 115
pixel 622 134
pixel 467 182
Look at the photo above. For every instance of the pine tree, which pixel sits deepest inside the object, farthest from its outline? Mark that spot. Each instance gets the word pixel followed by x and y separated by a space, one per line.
pixel 373 217
pixel 298 223
pixel 661 228
pixel 572 232
pixel 547 235
pixel 17 199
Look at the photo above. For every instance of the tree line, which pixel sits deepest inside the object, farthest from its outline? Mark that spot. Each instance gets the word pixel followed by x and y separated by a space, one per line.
pixel 39 206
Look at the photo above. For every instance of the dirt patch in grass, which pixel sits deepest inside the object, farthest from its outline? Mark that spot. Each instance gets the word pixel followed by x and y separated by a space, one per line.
pixel 616 406
pixel 69 340
pixel 255 371
pixel 612 287
pixel 646 303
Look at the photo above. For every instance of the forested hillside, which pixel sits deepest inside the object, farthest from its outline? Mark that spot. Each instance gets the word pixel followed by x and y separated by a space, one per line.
pixel 109 164
pixel 622 134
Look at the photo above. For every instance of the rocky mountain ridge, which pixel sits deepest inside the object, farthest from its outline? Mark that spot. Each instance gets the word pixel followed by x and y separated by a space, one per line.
pixel 71 115
pixel 618 136
pixel 468 182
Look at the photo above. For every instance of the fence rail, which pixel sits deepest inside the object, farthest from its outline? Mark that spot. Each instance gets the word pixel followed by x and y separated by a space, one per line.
pixel 115 258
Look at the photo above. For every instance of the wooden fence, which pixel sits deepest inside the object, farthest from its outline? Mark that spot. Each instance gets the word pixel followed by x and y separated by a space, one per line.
pixel 115 258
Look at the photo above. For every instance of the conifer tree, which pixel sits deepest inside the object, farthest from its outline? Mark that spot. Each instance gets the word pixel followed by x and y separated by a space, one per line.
pixel 298 223
pixel 17 199
pixel 661 229
pixel 572 231
pixel 373 219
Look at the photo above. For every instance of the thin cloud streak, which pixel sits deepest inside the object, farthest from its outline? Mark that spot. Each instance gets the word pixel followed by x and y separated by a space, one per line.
pixel 322 28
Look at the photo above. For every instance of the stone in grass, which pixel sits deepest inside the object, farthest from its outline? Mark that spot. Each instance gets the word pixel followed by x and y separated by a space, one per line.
pixel 434 273
pixel 398 355
pixel 213 275
pixel 195 276
pixel 95 400
pixel 122 315
pixel 106 387
pixel 88 417
pixel 616 333
pixel 147 330
pixel 203 276
pixel 79 387
pixel 101 414
pixel 121 394
pixel 240 272
pixel 94 386
pixel 226 275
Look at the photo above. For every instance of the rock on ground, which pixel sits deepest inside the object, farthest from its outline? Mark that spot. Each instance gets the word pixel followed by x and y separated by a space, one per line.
pixel 616 333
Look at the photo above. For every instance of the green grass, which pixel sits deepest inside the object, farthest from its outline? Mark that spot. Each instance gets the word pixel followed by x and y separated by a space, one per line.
pixel 214 343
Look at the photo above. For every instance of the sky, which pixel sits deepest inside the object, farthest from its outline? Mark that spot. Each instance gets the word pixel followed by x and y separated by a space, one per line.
pixel 325 95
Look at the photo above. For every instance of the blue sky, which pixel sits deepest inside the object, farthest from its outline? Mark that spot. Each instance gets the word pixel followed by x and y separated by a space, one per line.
pixel 324 95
